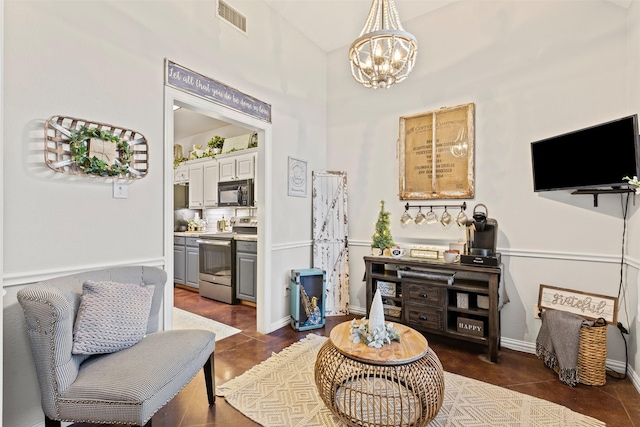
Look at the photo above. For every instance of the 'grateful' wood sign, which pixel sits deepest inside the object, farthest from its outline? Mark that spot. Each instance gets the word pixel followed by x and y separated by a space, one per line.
pixel 585 304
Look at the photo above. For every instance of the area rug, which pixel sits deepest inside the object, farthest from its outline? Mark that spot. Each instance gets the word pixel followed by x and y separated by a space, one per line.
pixel 281 392
pixel 186 320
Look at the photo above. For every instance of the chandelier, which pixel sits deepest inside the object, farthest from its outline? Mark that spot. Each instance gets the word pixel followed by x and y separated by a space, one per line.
pixel 384 53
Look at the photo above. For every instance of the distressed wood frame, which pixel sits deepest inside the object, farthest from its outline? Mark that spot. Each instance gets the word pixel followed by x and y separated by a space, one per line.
pixel 452 157
pixel 588 305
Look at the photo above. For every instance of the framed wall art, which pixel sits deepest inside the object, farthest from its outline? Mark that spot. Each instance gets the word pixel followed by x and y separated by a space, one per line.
pixel 297 177
pixel 436 153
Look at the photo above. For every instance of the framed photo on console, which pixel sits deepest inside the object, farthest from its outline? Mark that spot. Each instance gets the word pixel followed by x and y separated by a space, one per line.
pixel 436 152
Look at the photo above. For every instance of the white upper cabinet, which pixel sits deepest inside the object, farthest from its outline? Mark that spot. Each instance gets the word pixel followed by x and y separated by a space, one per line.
pixel 210 184
pixel 235 166
pixel 203 183
pixel 181 174
pixel 196 181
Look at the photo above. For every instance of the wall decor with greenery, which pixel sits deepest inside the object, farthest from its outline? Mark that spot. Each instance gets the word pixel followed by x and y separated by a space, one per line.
pixel 82 147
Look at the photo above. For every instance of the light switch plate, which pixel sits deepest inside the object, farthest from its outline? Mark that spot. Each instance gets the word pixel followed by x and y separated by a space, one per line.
pixel 120 189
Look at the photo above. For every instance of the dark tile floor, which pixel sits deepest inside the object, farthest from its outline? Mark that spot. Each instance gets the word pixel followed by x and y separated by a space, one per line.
pixel 617 403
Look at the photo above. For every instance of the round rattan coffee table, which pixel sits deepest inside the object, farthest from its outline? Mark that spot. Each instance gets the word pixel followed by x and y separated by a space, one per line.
pixel 400 384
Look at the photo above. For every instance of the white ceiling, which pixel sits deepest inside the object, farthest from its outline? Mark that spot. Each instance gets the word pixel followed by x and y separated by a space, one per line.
pixel 333 24
pixel 330 24
pixel 188 123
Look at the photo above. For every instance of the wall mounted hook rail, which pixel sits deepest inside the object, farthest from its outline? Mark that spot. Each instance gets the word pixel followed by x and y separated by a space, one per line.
pixel 463 206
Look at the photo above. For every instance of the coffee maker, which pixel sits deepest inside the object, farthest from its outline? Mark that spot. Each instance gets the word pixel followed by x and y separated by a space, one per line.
pixel 482 240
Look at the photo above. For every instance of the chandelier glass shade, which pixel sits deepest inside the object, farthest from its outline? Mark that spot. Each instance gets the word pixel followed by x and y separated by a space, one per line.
pixel 384 53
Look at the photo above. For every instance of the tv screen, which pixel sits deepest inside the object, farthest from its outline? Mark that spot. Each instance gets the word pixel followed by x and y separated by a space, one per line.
pixel 594 157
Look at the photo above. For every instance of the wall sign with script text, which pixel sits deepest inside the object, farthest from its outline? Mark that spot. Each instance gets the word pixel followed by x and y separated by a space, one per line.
pixel 205 87
pixel 588 305
pixel 436 152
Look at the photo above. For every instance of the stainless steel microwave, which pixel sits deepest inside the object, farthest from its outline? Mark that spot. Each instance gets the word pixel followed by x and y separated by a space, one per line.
pixel 236 193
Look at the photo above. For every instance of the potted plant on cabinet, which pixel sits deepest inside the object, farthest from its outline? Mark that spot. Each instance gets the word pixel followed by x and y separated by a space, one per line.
pixel 215 144
pixel 382 240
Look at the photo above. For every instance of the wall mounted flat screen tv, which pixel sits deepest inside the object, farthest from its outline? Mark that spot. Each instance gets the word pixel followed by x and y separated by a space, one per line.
pixel 595 157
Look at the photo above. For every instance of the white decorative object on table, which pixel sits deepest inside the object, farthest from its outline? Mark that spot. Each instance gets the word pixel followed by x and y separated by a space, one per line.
pixel 373 331
pixel 376 315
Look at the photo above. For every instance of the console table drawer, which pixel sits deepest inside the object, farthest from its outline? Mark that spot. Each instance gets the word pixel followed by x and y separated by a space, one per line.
pixel 424 295
pixel 425 317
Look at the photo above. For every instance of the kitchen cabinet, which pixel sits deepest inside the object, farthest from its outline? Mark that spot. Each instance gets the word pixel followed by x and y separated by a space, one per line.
pixel 181 174
pixel 210 184
pixel 459 301
pixel 246 270
pixel 185 261
pixel 179 260
pixel 203 184
pixel 240 165
pixel 196 180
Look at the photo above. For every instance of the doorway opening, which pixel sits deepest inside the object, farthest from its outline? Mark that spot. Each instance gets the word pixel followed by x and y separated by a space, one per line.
pixel 184 114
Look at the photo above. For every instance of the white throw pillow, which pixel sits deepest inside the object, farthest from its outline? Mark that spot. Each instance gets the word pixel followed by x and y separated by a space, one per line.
pixel 112 316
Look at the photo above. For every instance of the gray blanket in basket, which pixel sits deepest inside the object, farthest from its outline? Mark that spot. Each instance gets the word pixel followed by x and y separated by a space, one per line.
pixel 558 343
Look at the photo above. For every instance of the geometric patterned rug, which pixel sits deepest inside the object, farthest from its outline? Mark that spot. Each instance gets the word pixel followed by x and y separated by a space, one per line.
pixel 281 392
pixel 185 320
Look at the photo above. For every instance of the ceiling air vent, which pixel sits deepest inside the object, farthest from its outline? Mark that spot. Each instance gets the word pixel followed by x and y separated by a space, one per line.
pixel 232 16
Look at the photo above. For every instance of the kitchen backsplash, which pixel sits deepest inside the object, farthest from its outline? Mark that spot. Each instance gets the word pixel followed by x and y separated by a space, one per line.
pixel 182 216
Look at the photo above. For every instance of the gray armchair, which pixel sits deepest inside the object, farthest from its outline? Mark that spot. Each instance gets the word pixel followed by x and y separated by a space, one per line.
pixel 123 387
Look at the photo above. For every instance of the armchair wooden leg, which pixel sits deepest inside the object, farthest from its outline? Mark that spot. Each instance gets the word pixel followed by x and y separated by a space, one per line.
pixel 210 379
pixel 48 422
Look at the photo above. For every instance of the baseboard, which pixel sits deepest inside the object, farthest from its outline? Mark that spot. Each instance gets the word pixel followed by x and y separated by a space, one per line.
pixel 615 365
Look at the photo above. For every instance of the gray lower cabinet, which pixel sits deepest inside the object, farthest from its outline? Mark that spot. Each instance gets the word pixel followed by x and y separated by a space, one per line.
pixel 185 261
pixel 246 270
pixel 179 260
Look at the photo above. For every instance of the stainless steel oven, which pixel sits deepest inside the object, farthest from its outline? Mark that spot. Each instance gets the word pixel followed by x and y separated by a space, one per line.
pixel 216 268
pixel 217 278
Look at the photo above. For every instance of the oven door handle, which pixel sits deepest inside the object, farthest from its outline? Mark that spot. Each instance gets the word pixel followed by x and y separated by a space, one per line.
pixel 214 242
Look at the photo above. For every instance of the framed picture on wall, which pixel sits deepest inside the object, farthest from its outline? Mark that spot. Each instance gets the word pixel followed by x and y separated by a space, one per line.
pixel 297 177
pixel 436 152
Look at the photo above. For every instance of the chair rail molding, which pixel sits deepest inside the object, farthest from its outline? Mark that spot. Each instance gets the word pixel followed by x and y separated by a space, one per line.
pixel 27 277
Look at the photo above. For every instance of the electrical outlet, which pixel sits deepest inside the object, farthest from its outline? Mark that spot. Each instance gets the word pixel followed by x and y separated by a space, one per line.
pixel 536 311
pixel 120 189
pixel 286 289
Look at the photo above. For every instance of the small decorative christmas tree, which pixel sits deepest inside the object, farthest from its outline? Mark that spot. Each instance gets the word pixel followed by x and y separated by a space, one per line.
pixel 382 237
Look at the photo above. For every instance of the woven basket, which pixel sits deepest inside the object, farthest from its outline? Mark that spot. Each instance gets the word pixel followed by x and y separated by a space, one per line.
pixel 592 355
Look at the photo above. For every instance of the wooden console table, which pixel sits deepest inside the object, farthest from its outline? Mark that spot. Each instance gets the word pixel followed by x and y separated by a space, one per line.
pixel 459 301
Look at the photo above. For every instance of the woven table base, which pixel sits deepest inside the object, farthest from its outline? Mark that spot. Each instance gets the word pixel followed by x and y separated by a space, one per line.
pixel 363 395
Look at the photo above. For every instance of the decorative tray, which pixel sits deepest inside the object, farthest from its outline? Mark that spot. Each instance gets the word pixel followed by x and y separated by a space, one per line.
pixel 82 147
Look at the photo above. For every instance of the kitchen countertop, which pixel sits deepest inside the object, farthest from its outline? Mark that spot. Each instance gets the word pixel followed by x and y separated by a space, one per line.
pixel 193 233
pixel 244 237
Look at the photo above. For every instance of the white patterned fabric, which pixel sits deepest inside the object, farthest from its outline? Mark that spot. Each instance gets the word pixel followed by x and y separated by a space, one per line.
pixel 112 316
